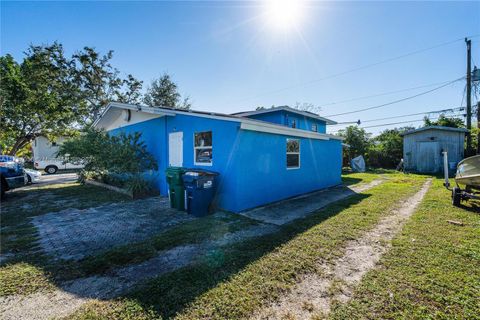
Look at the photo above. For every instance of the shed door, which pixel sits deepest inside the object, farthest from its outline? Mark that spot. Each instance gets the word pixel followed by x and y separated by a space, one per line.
pixel 175 149
pixel 428 157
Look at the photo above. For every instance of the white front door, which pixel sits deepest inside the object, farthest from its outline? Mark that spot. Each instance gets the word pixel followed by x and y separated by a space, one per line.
pixel 175 149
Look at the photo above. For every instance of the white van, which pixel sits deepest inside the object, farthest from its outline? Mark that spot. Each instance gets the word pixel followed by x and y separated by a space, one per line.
pixel 45 155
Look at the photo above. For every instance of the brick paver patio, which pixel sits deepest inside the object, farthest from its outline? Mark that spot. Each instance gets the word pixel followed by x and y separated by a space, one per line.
pixel 76 233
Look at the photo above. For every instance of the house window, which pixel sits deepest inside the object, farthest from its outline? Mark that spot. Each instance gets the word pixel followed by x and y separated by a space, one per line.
pixel 314 127
pixel 203 148
pixel 294 123
pixel 293 153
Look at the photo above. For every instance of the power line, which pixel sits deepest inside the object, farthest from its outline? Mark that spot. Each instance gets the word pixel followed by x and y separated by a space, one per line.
pixel 401 122
pixel 396 101
pixel 382 94
pixel 404 115
pixel 416 114
pixel 335 75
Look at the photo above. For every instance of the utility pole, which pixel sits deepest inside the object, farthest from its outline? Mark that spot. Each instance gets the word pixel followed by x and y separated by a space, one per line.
pixel 469 96
pixel 478 126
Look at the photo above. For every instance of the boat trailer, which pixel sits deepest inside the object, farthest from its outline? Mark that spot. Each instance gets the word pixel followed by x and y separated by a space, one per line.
pixel 458 194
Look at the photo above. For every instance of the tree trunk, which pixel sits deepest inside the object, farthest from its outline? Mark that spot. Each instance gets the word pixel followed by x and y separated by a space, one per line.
pixel 20 143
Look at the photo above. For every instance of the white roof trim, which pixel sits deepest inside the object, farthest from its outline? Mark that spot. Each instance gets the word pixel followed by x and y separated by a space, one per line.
pixel 246 123
pixel 160 112
pixel 285 108
pixel 286 131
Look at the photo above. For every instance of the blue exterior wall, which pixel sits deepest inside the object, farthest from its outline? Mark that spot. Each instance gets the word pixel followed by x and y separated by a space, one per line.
pixel 252 165
pixel 153 133
pixel 262 175
pixel 286 118
pixel 224 142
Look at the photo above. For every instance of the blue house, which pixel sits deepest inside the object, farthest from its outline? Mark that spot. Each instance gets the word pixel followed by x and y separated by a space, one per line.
pixel 262 156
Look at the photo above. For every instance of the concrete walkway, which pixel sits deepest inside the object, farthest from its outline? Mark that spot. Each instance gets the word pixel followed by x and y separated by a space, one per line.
pixel 285 211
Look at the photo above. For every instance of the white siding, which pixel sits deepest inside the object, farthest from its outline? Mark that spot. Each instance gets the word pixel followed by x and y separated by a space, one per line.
pixel 43 148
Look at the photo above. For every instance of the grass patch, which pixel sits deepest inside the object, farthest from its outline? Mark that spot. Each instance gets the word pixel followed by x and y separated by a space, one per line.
pixel 432 270
pixel 211 227
pixel 235 280
pixel 13 279
pixel 192 232
pixel 350 178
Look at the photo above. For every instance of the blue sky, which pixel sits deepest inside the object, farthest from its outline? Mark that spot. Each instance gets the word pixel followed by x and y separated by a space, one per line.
pixel 228 57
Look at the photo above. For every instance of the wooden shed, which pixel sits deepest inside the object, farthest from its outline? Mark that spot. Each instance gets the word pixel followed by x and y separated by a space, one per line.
pixel 422 148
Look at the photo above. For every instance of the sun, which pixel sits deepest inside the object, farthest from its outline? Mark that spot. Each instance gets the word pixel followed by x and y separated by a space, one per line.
pixel 284 15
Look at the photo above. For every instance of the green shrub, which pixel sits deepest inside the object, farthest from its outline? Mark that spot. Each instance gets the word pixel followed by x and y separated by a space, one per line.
pixel 101 152
pixel 139 186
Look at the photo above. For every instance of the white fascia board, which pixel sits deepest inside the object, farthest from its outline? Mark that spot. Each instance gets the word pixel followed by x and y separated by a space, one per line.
pixel 286 131
pixel 159 112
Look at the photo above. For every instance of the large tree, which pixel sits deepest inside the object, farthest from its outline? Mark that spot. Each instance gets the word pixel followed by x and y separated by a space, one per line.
pixel 37 96
pixel 101 83
pixel 444 121
pixel 50 94
pixel 163 92
pixel 358 141
pixel 386 149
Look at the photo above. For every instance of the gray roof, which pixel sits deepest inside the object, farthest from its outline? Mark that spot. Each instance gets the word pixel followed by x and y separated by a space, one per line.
pixel 435 128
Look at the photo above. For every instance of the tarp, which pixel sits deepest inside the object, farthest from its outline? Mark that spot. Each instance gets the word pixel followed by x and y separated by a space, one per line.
pixel 358 164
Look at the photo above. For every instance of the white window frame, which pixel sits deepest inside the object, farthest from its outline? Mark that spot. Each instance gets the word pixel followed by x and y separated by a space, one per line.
pixel 287 153
pixel 195 148
pixel 314 125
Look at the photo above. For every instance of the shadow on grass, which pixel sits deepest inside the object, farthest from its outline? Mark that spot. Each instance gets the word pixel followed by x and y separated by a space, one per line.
pixel 170 293
pixel 348 181
pixel 472 206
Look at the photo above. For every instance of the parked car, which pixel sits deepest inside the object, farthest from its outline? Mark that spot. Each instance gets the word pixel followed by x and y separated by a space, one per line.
pixel 12 174
pixel 33 176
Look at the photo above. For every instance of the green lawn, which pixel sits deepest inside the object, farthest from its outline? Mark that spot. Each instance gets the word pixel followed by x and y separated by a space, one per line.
pixel 432 270
pixel 28 271
pixel 210 228
pixel 234 281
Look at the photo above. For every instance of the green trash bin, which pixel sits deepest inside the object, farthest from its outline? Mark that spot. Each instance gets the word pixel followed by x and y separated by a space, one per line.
pixel 176 190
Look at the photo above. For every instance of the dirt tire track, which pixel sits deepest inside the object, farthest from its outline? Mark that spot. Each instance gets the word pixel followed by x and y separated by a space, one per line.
pixel 314 294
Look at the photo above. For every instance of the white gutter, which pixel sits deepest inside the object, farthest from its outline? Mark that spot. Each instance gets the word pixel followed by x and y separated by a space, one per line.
pixel 286 131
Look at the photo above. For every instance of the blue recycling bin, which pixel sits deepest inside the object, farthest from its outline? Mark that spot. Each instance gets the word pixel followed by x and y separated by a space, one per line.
pixel 200 187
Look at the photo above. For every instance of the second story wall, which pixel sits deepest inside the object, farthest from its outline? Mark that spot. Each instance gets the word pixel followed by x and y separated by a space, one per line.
pixel 291 119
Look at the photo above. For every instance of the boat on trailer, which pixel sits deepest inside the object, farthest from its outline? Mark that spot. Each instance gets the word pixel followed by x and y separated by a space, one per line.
pixel 467 179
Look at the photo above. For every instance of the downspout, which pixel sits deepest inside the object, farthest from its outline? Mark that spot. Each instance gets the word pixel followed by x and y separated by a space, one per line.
pixel 165 154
